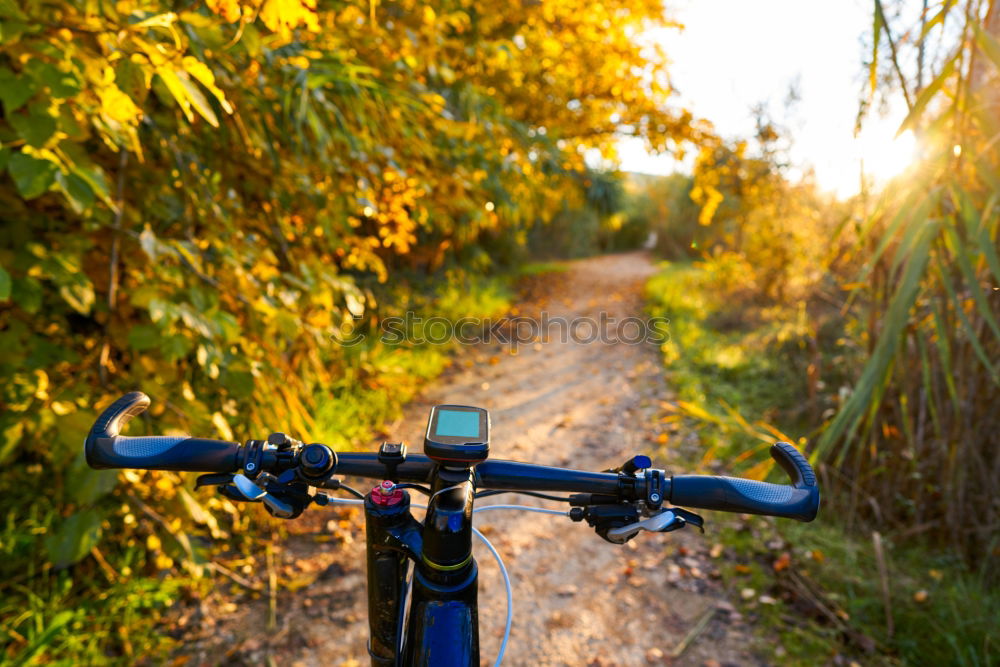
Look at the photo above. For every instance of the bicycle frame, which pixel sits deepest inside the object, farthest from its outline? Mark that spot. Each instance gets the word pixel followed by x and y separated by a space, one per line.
pixel 442 628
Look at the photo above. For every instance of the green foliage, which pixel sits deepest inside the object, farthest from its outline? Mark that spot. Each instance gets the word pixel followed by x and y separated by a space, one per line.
pixel 74 539
pixel 729 378
pixel 918 422
pixel 200 201
pixel 896 292
pixel 734 368
pixel 890 302
pixel 596 224
pixel 541 268
pixel 663 205
pixel 927 589
pixel 386 375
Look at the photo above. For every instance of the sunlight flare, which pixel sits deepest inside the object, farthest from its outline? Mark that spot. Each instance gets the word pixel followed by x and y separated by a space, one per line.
pixel 885 155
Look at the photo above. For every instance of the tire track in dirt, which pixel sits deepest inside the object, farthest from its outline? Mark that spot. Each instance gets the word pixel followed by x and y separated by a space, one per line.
pixel 578 600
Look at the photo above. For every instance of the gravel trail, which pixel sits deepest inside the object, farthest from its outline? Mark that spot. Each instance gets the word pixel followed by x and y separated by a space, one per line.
pixel 578 600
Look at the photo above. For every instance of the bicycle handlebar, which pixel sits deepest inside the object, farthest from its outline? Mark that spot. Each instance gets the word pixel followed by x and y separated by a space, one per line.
pixel 105 448
pixel 731 494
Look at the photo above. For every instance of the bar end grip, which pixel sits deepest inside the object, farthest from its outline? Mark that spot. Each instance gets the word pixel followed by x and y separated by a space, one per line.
pixel 105 448
pixel 799 501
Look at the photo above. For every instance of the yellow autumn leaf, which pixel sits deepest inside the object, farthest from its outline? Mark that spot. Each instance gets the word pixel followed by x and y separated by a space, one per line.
pixel 222 426
pixel 204 76
pixel 283 16
pixel 187 94
pixel 227 9
pixel 118 106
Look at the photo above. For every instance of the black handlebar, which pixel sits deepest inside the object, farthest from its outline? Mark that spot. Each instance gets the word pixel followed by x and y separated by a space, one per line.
pixel 106 449
pixel 730 494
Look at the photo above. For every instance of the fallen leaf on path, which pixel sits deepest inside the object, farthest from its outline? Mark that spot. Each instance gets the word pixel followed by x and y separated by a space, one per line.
pixel 782 562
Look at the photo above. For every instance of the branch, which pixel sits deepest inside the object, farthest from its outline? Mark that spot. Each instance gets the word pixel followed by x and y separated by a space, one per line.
pixel 892 52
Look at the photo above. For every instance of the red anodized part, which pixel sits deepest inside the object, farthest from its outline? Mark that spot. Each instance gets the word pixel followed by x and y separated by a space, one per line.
pixel 386 495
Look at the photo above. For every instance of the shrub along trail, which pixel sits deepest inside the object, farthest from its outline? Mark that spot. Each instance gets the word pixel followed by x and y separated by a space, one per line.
pixel 578 600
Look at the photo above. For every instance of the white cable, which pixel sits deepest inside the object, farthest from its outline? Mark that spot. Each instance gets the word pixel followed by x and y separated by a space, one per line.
pixel 496 555
pixel 510 595
pixel 440 491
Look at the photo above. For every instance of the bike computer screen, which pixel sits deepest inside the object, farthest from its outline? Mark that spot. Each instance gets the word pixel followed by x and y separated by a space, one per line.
pixel 457 435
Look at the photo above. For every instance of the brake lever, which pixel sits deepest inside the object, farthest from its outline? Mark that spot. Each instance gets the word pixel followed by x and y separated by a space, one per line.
pixel 252 492
pixel 664 521
pixel 690 517
pixel 213 479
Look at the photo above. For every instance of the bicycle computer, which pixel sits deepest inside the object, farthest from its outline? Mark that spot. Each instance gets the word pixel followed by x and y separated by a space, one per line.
pixel 457 435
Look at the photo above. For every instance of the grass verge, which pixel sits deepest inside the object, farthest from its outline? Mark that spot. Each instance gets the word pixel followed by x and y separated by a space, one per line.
pixel 384 376
pixel 828 593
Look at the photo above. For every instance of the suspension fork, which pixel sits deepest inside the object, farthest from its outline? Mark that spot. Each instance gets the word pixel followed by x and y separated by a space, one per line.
pixel 392 537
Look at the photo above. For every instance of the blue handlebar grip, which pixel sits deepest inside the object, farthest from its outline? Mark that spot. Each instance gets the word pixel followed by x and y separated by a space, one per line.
pixel 105 448
pixel 799 501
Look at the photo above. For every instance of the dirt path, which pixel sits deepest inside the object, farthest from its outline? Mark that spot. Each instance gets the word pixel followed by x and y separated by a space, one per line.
pixel 578 600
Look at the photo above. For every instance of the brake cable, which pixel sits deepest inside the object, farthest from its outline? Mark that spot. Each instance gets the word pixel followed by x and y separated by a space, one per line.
pixel 526 508
pixel 489 545
pixel 536 494
pixel 510 594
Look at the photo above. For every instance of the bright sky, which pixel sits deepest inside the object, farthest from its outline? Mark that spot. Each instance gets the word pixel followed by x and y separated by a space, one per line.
pixel 734 54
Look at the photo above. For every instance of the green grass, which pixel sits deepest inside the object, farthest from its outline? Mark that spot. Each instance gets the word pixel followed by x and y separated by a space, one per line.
pixel 725 351
pixel 88 614
pixel 385 376
pixel 721 362
pixel 541 268
pixel 942 613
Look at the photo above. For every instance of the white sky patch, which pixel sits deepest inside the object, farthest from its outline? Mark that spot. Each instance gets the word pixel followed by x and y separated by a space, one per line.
pixel 734 54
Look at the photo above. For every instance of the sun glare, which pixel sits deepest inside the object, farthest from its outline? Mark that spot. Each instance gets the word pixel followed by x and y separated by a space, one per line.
pixel 884 154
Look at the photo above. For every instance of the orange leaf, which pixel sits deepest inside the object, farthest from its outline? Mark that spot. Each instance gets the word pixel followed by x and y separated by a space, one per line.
pixel 783 562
